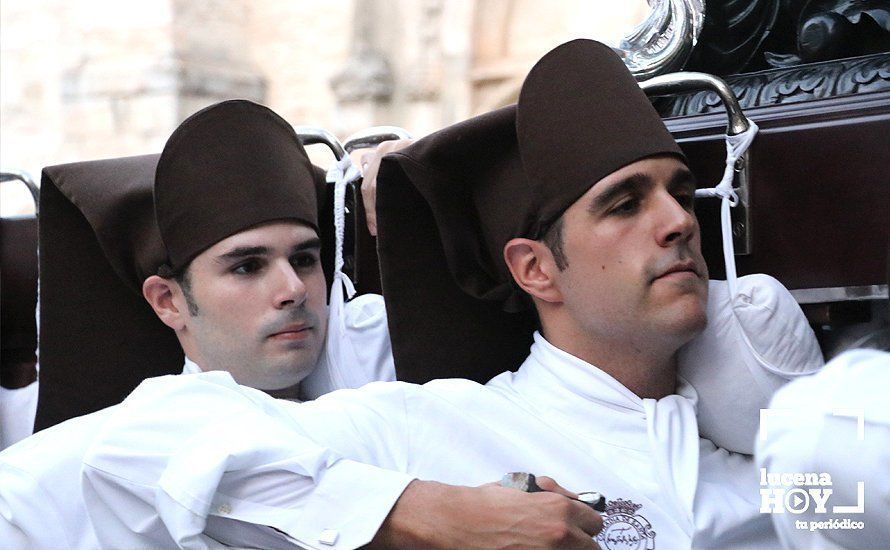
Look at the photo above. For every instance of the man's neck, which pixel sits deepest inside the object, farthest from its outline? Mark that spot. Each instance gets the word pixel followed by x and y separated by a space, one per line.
pixel 292 393
pixel 647 380
pixel 647 371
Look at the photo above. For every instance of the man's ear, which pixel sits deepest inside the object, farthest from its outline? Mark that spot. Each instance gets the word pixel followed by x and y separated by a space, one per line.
pixel 159 293
pixel 533 268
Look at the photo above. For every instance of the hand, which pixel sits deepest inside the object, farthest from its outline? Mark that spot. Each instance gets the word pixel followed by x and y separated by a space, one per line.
pixel 370 163
pixel 435 515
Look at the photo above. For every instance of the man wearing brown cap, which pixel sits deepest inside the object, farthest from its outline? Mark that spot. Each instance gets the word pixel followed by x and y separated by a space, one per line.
pixel 233 237
pixel 576 200
pixel 235 199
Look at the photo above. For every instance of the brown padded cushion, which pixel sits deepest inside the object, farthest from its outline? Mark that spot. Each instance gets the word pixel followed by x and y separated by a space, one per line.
pixel 430 330
pixel 98 338
pixel 18 299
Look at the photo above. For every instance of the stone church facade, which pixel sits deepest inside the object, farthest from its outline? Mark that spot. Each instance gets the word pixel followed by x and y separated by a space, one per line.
pixel 98 78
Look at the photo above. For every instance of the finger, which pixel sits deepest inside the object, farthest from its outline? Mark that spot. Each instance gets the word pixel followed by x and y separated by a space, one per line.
pixel 586 518
pixel 492 484
pixel 580 539
pixel 369 198
pixel 393 145
pixel 370 163
pixel 365 161
pixel 550 485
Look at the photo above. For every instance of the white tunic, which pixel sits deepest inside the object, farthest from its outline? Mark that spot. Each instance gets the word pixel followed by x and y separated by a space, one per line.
pixel 304 470
pixel 40 495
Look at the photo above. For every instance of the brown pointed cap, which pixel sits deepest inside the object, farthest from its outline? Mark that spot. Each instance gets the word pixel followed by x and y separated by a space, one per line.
pixel 229 167
pixel 580 117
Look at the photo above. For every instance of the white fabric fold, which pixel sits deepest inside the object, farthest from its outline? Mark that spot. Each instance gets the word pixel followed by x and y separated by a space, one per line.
pixel 357 347
pixel 298 467
pixel 674 443
pixel 152 480
pixel 836 422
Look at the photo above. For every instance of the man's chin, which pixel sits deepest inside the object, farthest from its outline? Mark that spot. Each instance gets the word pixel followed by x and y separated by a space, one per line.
pixel 284 379
pixel 692 324
pixel 298 363
pixel 687 317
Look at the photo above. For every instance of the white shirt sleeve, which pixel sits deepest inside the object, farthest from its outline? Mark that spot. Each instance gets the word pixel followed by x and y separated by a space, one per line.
pixel 29 516
pixel 199 461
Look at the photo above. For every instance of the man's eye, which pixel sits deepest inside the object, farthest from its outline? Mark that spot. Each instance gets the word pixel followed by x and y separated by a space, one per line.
pixel 626 206
pixel 246 268
pixel 304 261
pixel 686 200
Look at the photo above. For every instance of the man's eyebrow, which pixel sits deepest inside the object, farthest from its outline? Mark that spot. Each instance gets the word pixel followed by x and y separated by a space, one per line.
pixel 308 244
pixel 632 182
pixel 682 176
pixel 240 252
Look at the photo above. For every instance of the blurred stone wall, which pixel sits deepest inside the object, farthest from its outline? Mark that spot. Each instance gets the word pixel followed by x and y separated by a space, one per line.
pixel 103 78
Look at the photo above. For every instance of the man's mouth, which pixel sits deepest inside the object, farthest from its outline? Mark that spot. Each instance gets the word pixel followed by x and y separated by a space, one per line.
pixel 680 270
pixel 292 332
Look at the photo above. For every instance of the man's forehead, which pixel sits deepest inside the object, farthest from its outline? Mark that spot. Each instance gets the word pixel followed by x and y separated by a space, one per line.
pixel 281 235
pixel 659 169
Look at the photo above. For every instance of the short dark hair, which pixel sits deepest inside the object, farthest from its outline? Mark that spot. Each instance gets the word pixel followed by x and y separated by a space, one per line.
pixel 554 241
pixel 183 278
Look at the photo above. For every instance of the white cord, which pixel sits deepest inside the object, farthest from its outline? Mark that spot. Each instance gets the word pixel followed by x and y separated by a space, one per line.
pixel 736 146
pixel 341 174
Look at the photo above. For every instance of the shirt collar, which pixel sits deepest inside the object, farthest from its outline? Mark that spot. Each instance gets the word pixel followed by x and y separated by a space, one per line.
pixel 190 367
pixel 556 370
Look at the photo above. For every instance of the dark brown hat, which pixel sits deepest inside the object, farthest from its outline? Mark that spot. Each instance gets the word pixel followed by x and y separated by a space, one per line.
pixel 580 117
pixel 468 189
pixel 229 167
pixel 117 198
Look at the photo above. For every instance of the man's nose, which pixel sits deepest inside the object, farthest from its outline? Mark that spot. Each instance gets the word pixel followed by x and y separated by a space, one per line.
pixel 676 223
pixel 289 289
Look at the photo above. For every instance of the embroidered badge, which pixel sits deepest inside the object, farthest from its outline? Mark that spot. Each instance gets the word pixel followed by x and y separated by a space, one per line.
pixel 624 529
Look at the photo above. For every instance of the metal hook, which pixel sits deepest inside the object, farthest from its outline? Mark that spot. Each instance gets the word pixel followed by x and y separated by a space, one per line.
pixel 310 135
pixel 687 81
pixel 371 137
pixel 18 175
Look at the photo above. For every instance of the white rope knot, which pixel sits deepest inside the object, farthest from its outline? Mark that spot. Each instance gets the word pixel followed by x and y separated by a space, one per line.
pixel 718 193
pixel 342 278
pixel 341 174
pixel 736 147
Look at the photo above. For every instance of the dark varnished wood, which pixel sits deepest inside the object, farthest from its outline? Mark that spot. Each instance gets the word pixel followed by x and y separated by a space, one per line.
pixel 820 190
